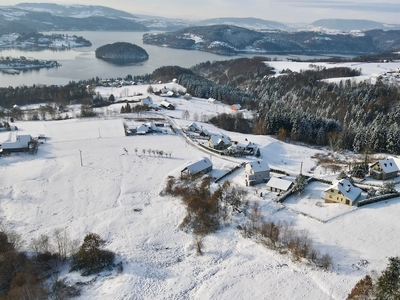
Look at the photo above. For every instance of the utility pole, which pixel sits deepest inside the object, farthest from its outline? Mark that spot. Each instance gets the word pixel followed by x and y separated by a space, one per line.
pixel 80 154
pixel 301 168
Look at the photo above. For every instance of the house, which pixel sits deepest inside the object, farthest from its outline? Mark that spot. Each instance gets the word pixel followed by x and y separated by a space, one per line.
pixel 142 129
pixel 145 128
pixel 279 185
pixel 194 127
pixel 219 142
pixel 204 133
pixel 168 94
pixel 342 191
pixel 147 101
pixel 256 172
pixel 247 148
pixel 236 107
pixel 202 166
pixel 17 143
pixel 167 105
pixel 384 169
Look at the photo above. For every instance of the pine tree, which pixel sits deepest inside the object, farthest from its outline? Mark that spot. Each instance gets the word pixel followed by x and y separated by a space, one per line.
pixel 388 285
pixel 300 184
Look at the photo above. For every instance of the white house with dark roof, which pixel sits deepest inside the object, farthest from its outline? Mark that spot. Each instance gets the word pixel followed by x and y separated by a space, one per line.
pixel 384 169
pixel 256 172
pixel 342 191
pixel 202 166
pixel 279 185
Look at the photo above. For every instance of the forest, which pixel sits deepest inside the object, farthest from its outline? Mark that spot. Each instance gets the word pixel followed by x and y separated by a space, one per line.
pixel 302 107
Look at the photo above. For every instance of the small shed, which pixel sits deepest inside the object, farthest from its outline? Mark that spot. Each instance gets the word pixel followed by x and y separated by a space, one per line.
pixel 202 166
pixel 279 185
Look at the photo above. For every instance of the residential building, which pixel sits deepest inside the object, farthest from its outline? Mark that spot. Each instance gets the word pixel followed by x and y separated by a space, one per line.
pixel 342 191
pixel 279 185
pixel 384 169
pixel 256 172
pixel 202 166
pixel 167 105
pixel 219 142
pixel 194 127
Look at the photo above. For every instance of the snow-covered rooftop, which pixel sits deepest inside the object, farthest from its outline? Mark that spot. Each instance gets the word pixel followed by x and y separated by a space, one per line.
pixel 279 183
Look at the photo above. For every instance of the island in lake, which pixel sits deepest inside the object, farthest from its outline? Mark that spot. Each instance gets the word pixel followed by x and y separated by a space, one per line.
pixel 122 53
pixel 13 66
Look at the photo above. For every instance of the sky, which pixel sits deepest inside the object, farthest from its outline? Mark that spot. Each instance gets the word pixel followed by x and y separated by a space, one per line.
pixel 289 11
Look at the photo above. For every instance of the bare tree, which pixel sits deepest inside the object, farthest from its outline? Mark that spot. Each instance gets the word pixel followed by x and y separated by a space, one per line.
pixel 185 115
pixel 144 151
pixel 41 244
pixel 199 243
pixel 149 151
pixel 62 242
pixel 136 151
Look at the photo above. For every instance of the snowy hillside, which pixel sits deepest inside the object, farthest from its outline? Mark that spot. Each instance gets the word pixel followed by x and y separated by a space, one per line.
pixel 117 194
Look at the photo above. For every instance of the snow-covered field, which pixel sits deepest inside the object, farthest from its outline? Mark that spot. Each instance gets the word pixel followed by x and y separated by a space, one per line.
pixel 117 195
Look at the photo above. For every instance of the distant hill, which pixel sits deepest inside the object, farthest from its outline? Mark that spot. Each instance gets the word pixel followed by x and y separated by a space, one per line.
pixel 47 17
pixel 249 23
pixel 232 40
pixel 353 24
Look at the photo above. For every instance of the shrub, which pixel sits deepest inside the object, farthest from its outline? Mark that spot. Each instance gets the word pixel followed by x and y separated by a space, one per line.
pixel 325 262
pixel 362 290
pixel 90 258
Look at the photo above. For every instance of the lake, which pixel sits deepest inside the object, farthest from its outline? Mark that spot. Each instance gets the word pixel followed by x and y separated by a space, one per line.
pixel 81 63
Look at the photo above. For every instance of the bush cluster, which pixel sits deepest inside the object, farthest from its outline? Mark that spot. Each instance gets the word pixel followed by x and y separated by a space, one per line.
pixel 283 237
pixel 206 209
pixel 35 275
